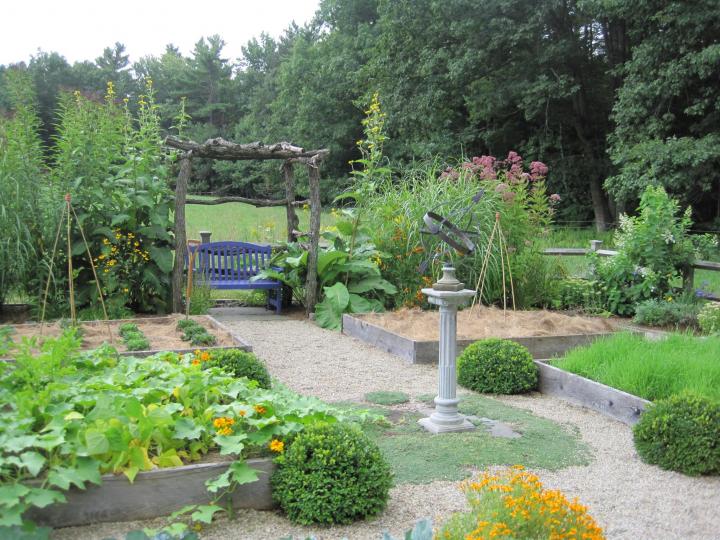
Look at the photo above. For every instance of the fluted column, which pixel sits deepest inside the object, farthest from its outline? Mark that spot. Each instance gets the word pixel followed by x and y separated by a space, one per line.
pixel 447 294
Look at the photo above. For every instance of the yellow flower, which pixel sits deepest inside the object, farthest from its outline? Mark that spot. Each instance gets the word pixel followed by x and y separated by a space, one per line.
pixel 277 446
pixel 205 356
pixel 260 409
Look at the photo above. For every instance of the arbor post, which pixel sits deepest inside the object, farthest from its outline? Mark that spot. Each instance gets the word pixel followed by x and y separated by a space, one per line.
pixel 180 237
pixel 315 210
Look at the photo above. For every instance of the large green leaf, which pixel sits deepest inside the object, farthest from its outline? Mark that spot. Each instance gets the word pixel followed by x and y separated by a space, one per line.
pixel 328 313
pixel 372 283
pixel 163 257
pixel 326 258
pixel 358 304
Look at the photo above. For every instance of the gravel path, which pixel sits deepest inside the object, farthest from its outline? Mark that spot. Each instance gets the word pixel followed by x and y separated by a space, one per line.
pixel 630 500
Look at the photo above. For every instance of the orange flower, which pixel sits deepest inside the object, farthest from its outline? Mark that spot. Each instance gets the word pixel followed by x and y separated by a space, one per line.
pixel 277 446
pixel 205 356
pixel 242 413
pixel 195 362
pixel 260 409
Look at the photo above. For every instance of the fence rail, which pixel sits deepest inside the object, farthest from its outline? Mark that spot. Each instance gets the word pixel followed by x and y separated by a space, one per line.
pixel 688 276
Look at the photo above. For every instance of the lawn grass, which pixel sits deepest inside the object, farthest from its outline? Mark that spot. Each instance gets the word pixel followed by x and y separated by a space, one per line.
pixel 417 457
pixel 244 222
pixel 650 369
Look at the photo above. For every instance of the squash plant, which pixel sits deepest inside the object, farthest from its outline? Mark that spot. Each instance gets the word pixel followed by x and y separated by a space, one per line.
pixel 69 417
pixel 349 279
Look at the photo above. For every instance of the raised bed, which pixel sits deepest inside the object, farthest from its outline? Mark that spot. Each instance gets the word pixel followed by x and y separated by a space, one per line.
pixel 426 351
pixel 153 494
pixel 160 332
pixel 599 397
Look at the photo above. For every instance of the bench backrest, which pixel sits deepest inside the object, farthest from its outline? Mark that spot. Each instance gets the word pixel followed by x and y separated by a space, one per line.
pixel 228 261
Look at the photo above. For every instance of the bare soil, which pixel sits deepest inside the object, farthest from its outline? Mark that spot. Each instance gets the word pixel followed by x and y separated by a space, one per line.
pixel 482 322
pixel 160 332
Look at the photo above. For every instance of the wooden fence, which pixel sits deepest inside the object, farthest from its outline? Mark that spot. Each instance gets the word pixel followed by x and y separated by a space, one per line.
pixel 688 276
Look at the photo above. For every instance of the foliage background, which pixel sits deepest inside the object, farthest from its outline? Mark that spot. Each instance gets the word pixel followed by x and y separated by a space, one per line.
pixel 596 89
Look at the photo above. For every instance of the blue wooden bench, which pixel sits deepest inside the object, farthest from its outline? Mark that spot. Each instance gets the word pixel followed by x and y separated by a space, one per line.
pixel 231 265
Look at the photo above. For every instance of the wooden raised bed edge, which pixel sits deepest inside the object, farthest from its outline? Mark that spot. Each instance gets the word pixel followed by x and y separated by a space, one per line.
pixel 426 352
pixel 153 494
pixel 599 397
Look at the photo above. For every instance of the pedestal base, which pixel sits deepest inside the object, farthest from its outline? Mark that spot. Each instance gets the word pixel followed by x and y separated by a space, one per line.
pixel 432 427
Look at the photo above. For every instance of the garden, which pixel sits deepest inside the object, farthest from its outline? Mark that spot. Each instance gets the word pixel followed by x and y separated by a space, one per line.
pixel 587 380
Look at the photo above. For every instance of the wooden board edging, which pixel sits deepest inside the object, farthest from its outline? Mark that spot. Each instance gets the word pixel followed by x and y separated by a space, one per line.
pixel 426 352
pixel 153 494
pixel 599 397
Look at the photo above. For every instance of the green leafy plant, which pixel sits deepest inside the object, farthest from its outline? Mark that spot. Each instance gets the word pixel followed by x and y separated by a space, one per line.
pixel 331 474
pixel 128 328
pixel 348 281
pixel 667 312
pixel 681 433
pixel 497 366
pixel 241 364
pixel 578 293
pixel 654 250
pixel 113 164
pixel 709 318
pixel 423 530
pixel 195 333
pixel 71 417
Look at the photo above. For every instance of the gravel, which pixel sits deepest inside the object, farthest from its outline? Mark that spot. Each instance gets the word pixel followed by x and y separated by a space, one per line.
pixel 629 499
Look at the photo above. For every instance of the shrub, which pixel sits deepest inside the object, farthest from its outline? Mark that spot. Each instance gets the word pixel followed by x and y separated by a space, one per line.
pixel 184 324
pixel 709 318
pixel 578 293
pixel 497 366
pixel 666 313
pixel 514 504
pixel 681 433
pixel 654 250
pixel 241 364
pixel 330 474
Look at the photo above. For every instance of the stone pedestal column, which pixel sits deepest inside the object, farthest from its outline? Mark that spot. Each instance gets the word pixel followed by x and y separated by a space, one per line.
pixel 448 294
pixel 205 236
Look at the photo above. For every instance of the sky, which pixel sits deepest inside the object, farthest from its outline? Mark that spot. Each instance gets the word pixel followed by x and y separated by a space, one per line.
pixel 81 29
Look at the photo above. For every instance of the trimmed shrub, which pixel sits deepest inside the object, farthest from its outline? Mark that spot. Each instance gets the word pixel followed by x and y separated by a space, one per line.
pixel 709 318
pixel 666 313
pixel 241 364
pixel 137 343
pixel 331 473
pixel 497 366
pixel 681 433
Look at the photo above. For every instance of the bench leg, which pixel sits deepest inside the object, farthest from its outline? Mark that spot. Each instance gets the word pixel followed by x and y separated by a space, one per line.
pixel 274 298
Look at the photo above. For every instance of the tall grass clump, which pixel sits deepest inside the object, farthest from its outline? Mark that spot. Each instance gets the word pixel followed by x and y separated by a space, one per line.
pixel 651 369
pixel 412 259
pixel 22 213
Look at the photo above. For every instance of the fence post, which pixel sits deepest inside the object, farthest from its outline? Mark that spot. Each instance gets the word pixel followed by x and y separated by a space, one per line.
pixel 688 276
pixel 595 244
pixel 205 237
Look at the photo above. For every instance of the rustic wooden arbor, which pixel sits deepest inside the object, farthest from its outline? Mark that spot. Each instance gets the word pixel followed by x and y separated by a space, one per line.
pixel 229 151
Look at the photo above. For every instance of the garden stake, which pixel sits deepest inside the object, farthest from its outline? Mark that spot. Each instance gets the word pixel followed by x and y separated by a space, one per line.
pixel 73 318
pixel 52 260
pixel 188 289
pixel 97 281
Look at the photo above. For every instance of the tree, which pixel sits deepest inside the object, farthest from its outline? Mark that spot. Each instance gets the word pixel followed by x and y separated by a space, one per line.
pixel 667 110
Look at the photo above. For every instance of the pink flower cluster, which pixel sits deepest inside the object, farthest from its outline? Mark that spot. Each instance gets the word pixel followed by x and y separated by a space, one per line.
pixel 511 168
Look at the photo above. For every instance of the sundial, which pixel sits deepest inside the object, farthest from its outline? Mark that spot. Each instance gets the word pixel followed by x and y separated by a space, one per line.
pixel 455 232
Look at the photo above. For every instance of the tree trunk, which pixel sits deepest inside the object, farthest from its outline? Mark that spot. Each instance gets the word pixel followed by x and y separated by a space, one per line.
pixel 600 205
pixel 180 236
pixel 292 220
pixel 315 209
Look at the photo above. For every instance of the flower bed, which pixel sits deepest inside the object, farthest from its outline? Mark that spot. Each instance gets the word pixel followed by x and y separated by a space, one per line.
pixel 70 417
